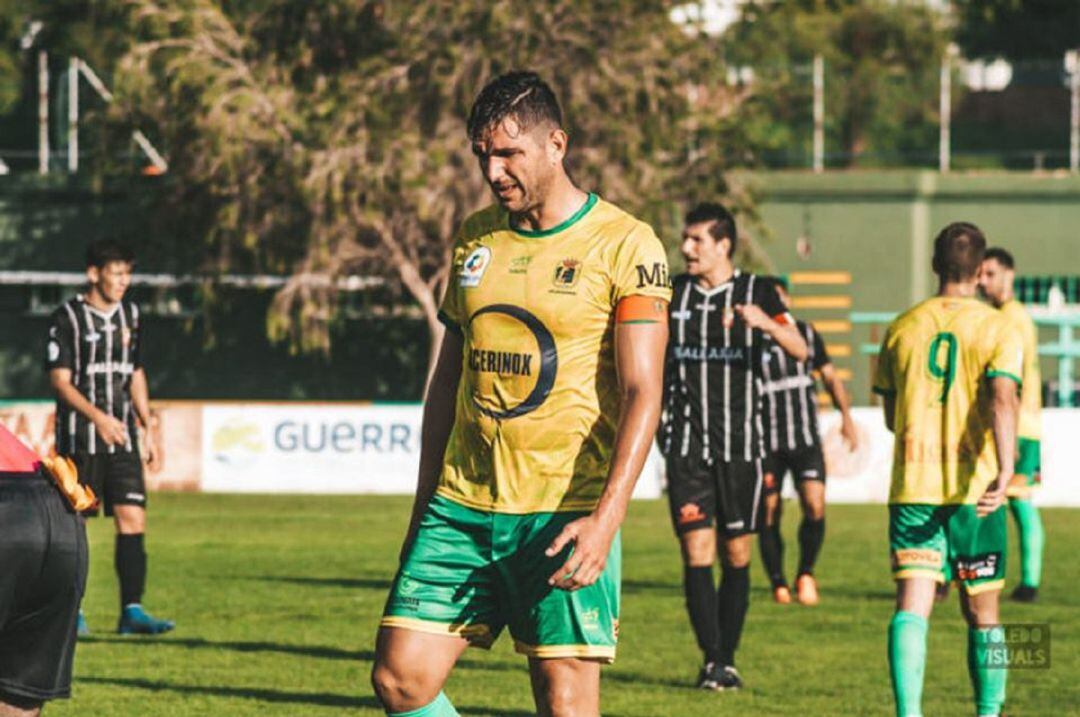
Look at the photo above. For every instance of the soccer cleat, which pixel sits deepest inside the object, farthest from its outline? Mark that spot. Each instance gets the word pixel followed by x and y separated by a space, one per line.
pixel 781 594
pixel 730 679
pixel 82 629
pixel 1025 593
pixel 806 589
pixel 136 621
pixel 710 676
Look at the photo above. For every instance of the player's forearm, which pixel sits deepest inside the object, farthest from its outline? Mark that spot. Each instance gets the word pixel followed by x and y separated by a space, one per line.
pixel 789 338
pixel 70 395
pixel 1005 414
pixel 633 441
pixel 839 395
pixel 140 397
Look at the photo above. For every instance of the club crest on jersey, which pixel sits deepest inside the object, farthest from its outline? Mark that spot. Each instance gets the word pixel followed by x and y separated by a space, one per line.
pixel 728 318
pixel 472 271
pixel 567 273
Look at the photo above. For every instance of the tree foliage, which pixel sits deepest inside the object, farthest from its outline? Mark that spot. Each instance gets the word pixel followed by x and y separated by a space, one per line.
pixel 327 139
pixel 882 61
pixel 1018 29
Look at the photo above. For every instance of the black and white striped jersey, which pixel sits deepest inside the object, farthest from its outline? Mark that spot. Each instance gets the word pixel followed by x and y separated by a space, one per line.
pixel 102 350
pixel 789 393
pixel 712 371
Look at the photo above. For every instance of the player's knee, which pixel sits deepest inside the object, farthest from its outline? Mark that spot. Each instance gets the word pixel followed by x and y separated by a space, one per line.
pixel 563 700
pixel 391 687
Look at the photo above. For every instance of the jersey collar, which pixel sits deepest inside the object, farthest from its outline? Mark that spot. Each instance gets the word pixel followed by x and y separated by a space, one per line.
pixel 590 202
pixel 717 289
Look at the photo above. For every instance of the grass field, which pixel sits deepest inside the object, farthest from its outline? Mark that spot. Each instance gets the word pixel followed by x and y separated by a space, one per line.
pixel 277 600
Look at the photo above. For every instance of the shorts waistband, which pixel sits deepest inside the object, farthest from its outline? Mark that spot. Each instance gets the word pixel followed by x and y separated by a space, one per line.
pixel 38 476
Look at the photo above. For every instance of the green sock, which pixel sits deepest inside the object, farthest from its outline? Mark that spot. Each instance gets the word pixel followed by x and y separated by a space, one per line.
pixel 439 707
pixel 987 677
pixel 907 661
pixel 1032 538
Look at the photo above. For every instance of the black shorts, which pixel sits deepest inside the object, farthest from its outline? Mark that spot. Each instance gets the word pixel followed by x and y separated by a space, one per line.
pixel 43 554
pixel 804 464
pixel 723 494
pixel 115 478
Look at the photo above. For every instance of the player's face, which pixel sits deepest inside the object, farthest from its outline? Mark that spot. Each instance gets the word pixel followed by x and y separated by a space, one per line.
pixel 111 281
pixel 520 165
pixel 994 281
pixel 702 252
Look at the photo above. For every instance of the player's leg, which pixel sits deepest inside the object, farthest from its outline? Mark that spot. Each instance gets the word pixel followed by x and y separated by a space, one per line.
pixel 977 549
pixel 443 599
pixel 810 482
pixel 125 500
pixel 91 474
pixel 566 687
pixel 14 706
pixel 1028 520
pixel 411 668
pixel 918 553
pixel 770 541
pixel 692 499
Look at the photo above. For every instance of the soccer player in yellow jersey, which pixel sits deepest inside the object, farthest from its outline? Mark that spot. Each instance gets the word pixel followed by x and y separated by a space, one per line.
pixel 949 371
pixel 541 411
pixel 996 284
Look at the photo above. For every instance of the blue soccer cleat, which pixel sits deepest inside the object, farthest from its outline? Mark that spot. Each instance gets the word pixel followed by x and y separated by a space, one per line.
pixel 136 621
pixel 81 628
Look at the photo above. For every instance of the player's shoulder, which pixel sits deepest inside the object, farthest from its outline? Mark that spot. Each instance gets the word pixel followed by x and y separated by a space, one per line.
pixel 680 281
pixel 482 223
pixel 66 309
pixel 1015 312
pixel 130 308
pixel 618 226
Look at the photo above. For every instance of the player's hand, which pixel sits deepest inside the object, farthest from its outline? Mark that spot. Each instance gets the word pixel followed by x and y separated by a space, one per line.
pixel 112 430
pixel 753 316
pixel 153 454
pixel 849 433
pixel 993 498
pixel 592 543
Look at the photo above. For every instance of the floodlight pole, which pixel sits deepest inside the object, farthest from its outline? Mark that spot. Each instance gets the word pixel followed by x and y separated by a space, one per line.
pixel 819 114
pixel 945 110
pixel 43 112
pixel 73 115
pixel 1072 64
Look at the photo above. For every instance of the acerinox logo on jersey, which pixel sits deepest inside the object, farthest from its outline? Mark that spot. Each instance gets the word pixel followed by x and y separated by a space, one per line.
pixel 472 271
pixel 513 359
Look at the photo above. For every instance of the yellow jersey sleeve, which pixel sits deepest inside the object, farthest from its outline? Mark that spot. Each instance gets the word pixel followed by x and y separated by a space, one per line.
pixel 1006 352
pixel 884 377
pixel 640 266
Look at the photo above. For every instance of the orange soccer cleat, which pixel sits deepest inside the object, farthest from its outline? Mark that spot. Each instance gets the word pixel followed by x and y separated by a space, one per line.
pixel 806 589
pixel 781 594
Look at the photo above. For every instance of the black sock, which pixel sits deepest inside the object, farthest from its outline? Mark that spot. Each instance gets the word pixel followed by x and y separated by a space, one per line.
pixel 733 599
pixel 811 536
pixel 130 567
pixel 772 553
pixel 700 591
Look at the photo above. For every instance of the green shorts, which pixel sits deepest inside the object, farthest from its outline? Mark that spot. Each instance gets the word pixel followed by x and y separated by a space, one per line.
pixel 470 573
pixel 1028 471
pixel 948 542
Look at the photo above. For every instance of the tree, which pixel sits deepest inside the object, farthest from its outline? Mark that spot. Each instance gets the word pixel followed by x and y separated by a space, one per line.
pixel 1018 29
pixel 881 60
pixel 327 139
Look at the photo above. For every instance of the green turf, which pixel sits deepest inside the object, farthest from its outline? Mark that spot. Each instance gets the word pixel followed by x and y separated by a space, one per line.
pixel 277 599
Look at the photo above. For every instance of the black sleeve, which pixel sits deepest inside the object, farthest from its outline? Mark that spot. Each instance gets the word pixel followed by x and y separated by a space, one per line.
pixel 60 349
pixel 821 355
pixel 766 297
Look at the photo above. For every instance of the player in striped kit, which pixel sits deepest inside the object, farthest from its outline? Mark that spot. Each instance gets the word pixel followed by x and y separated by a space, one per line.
pixel 794 445
pixel 711 433
pixel 95 368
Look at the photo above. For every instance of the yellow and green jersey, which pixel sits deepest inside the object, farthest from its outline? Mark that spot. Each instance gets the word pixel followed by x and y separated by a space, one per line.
pixel 538 401
pixel 935 360
pixel 1030 398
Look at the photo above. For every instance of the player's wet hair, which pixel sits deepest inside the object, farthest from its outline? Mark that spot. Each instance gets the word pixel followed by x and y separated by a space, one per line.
pixel 958 251
pixel 103 252
pixel 723 223
pixel 1001 256
pixel 521 95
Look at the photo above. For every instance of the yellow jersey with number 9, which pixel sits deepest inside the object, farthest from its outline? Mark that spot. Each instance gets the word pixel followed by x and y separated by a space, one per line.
pixel 936 360
pixel 538 401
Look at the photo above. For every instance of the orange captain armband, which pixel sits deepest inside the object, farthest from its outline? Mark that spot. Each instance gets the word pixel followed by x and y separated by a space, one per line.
pixel 639 309
pixel 784 319
pixel 63 472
